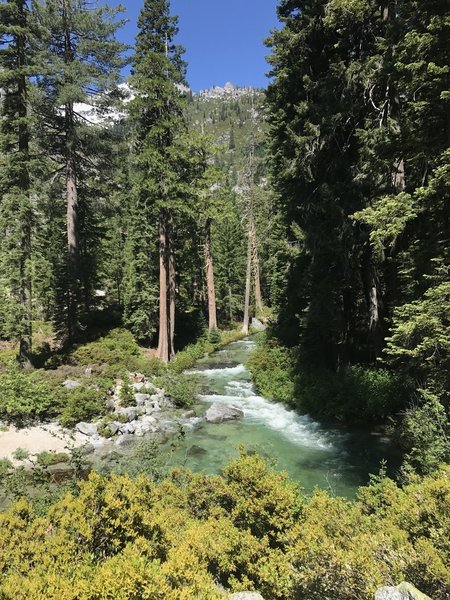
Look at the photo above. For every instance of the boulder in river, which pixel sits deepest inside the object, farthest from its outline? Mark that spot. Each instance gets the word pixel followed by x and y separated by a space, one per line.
pixel 218 413
pixel 196 451
pixel 89 429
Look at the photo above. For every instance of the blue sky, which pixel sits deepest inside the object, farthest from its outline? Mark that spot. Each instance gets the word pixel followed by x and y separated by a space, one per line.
pixel 223 39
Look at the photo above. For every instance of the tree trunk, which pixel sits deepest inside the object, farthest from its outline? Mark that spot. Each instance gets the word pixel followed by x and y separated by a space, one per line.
pixel 246 323
pixel 163 342
pixel 25 292
pixel 172 290
pixel 374 300
pixel 256 269
pixel 212 311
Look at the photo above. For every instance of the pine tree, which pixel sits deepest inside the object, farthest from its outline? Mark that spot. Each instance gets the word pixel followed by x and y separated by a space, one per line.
pixel 80 60
pixel 16 213
pixel 158 70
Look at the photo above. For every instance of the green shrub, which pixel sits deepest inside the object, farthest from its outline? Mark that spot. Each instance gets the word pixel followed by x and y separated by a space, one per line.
pixel 182 388
pixel 250 528
pixel 46 459
pixel 425 433
pixel 272 369
pixel 214 337
pixel 126 394
pixel 82 404
pixel 117 352
pixel 22 398
pixel 355 394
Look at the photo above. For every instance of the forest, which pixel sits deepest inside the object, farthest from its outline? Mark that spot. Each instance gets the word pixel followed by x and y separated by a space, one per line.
pixel 146 229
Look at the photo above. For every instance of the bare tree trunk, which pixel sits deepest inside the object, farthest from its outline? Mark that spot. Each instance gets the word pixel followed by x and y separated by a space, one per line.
pixel 25 292
pixel 245 325
pixel 374 299
pixel 163 342
pixel 212 310
pixel 256 268
pixel 172 291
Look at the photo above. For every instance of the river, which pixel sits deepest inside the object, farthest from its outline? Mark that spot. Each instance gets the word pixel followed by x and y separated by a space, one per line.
pixel 337 459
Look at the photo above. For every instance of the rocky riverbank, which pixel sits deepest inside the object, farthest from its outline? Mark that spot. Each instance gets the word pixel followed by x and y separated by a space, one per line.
pixel 149 412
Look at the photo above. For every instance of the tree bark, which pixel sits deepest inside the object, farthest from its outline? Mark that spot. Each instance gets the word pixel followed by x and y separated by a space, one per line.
pixel 246 323
pixel 172 290
pixel 25 292
pixel 163 342
pixel 212 310
pixel 256 267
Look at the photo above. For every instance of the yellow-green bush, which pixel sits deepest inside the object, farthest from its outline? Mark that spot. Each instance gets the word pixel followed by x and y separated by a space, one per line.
pixel 192 535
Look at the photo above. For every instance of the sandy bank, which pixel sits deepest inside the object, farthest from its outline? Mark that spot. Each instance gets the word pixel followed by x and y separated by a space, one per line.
pixel 49 437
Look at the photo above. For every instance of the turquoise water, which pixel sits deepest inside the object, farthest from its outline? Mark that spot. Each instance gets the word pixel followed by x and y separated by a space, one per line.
pixel 314 454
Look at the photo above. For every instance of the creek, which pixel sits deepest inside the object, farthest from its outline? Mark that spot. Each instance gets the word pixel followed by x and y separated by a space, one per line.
pixel 315 454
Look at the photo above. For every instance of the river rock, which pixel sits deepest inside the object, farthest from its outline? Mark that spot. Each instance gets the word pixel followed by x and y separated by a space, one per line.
pixel 124 440
pixel 256 324
pixel 141 399
pixel 196 451
pixel 70 384
pixel 404 591
pixel 129 428
pixel 114 427
pixel 190 414
pixel 246 596
pixel 110 404
pixel 128 412
pixel 89 429
pixel 144 427
pixel 217 413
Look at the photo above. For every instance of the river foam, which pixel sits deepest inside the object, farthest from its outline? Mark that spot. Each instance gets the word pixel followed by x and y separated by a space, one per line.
pixel 298 429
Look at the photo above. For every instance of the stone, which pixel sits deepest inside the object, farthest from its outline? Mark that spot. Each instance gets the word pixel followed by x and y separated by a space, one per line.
pixel 150 387
pixel 124 440
pixel 143 428
pixel 141 399
pixel 246 596
pixel 70 384
pixel 110 404
pixel 256 324
pixel 89 429
pixel 114 427
pixel 88 371
pixel 404 591
pixel 190 414
pixel 218 413
pixel 138 386
pixel 127 428
pixel 129 412
pixel 196 451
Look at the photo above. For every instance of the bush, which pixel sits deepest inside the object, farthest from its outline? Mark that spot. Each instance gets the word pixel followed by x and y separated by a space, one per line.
pixel 126 395
pixel 353 395
pixel 272 369
pixel 46 459
pixel 118 352
pixel 247 529
pixel 425 433
pixel 23 399
pixel 82 404
pixel 183 389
